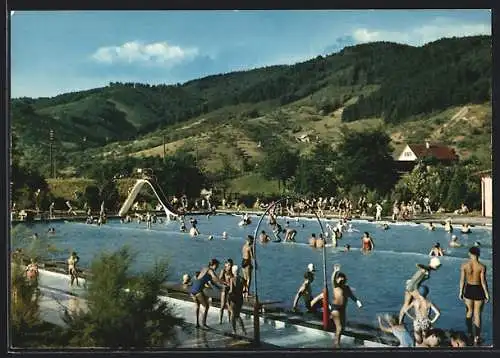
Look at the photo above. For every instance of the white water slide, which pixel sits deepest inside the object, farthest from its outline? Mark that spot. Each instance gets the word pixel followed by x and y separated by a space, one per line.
pixel 169 210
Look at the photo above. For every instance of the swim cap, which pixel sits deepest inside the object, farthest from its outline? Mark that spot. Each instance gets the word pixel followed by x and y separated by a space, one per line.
pixel 434 262
pixel 185 278
pixel 234 269
pixel 210 237
pixel 311 268
pixel 454 237
pixel 423 290
pixel 477 243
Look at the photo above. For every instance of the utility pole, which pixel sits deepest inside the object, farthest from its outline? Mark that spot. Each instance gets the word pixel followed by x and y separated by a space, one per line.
pixel 51 138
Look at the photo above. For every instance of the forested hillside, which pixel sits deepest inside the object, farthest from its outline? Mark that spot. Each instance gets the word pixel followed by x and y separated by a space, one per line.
pixel 238 117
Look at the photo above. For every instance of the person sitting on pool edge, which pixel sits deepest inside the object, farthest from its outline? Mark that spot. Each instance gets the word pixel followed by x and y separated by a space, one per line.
pixel 396 329
pixel 436 250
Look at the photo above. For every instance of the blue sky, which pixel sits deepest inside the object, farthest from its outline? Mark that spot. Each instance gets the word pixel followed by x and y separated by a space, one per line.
pixel 56 52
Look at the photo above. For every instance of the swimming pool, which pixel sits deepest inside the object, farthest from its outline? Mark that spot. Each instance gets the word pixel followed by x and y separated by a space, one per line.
pixel 377 279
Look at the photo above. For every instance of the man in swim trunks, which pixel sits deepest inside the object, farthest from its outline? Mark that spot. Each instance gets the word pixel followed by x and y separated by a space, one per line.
pixel 422 306
pixel 206 275
pixel 341 292
pixel 246 263
pixel 474 292
pixel 423 273
pixel 367 243
pixel 72 269
pixel 305 290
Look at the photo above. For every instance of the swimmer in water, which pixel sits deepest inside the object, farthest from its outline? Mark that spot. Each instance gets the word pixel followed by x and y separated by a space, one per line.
pixel 194 231
pixel 263 237
pixel 347 248
pixel 183 226
pixel 320 241
pixel 436 250
pixel 224 235
pixel 431 227
pixel 465 229
pixel 447 225
pixel 385 227
pixel 454 241
pixel 210 237
pixel 367 243
pixel 312 240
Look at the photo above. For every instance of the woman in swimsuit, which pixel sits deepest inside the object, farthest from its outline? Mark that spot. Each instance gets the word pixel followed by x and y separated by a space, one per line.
pixel 422 306
pixel 225 276
pixel 474 292
pixel 205 276
pixel 367 243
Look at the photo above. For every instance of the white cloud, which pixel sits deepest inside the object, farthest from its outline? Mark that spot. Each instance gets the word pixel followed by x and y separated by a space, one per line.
pixel 432 31
pixel 159 53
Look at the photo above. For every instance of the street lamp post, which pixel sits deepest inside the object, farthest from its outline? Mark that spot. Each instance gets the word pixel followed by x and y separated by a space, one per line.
pixel 256 310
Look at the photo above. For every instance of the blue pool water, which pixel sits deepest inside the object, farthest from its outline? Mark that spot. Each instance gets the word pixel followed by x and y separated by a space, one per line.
pixel 377 279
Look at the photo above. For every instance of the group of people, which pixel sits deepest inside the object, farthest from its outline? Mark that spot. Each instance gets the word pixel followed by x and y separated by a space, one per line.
pixel 233 286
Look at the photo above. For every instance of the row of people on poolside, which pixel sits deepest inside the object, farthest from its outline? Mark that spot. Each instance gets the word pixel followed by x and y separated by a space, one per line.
pixel 235 288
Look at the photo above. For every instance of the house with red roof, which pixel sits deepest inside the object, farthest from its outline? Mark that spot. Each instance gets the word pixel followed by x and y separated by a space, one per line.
pixel 413 153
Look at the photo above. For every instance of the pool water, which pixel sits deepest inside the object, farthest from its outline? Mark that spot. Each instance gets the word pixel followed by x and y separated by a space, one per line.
pixel 377 278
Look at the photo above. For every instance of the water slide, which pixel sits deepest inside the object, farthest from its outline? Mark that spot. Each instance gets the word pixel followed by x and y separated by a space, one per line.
pixel 162 198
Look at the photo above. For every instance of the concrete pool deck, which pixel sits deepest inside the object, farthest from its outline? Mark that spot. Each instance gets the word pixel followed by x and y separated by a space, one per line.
pixel 274 333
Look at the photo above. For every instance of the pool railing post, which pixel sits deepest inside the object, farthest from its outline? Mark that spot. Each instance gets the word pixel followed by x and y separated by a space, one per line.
pixel 326 313
pixel 256 321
